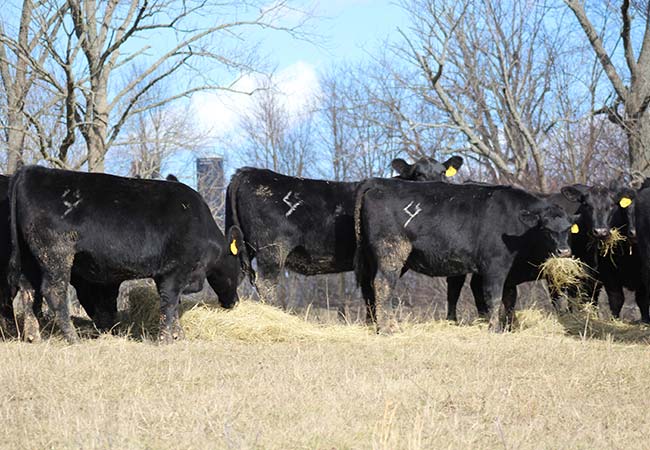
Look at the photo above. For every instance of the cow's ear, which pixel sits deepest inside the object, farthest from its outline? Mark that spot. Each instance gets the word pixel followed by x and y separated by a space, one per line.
pixel 625 197
pixel 528 218
pixel 171 177
pixel 574 193
pixel 452 165
pixel 402 168
pixel 235 240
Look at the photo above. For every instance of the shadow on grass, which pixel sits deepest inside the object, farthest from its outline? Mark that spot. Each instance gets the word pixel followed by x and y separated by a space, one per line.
pixel 586 325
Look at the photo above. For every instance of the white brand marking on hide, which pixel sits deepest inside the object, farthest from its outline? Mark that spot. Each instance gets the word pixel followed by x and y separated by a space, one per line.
pixel 292 206
pixel 71 204
pixel 411 214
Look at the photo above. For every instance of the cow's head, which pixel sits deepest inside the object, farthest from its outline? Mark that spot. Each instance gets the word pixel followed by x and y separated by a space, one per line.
pixel 427 169
pixel 230 273
pixel 625 210
pixel 554 226
pixel 597 206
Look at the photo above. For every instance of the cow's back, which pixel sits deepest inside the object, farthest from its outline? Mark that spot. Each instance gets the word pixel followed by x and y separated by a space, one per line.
pixel 446 225
pixel 144 223
pixel 309 222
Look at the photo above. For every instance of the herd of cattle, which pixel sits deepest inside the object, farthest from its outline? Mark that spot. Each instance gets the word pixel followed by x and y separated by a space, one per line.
pixel 95 231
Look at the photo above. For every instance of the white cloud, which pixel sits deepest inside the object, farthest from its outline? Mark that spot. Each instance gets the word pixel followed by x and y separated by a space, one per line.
pixel 218 112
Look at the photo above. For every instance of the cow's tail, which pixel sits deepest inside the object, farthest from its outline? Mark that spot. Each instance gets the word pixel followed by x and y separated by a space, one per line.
pixel 361 266
pixel 14 270
pixel 365 267
pixel 232 218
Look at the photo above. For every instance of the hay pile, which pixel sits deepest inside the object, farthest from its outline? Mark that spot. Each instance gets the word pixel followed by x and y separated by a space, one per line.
pixel 563 272
pixel 256 322
pixel 143 311
pixel 537 322
pixel 607 246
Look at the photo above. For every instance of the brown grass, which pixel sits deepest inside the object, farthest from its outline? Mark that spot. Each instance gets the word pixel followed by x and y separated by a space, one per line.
pixel 260 378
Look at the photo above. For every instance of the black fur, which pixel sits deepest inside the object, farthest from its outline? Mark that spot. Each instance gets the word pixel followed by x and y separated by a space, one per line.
pixel 304 225
pixel 100 230
pixel 438 229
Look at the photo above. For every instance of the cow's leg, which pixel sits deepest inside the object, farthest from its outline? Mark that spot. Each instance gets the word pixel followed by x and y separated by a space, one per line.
pixel 476 284
pixel 32 306
pixel 7 318
pixel 509 303
pixel 641 297
pixel 270 265
pixel 55 291
pixel 169 289
pixel 6 302
pixel 559 298
pixel 493 286
pixel 392 256
pixel 454 286
pixel 98 300
pixel 615 298
pixel 384 287
pixel 371 303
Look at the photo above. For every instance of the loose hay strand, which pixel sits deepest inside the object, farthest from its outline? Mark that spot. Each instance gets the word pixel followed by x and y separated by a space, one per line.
pixel 563 272
pixel 607 246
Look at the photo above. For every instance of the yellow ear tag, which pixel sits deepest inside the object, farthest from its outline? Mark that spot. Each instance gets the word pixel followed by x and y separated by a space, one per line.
pixel 233 247
pixel 575 229
pixel 451 171
pixel 625 202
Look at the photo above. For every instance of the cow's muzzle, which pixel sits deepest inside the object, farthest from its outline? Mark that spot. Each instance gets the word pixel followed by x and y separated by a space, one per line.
pixel 563 252
pixel 601 233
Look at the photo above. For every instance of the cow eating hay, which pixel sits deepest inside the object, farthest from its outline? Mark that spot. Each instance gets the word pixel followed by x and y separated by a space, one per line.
pixel 560 272
pixel 607 246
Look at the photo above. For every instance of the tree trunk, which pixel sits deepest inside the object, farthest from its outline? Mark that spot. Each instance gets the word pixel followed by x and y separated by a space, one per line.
pixel 15 139
pixel 98 129
pixel 638 132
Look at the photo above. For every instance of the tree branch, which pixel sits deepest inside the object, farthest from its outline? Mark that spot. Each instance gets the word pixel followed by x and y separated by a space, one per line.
pixel 597 45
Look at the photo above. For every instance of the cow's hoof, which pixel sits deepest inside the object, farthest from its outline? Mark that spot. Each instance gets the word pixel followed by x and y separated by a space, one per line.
pixel 72 339
pixel 167 337
pixel 387 328
pixel 33 338
pixel 31 331
pixel 496 328
pixel 177 331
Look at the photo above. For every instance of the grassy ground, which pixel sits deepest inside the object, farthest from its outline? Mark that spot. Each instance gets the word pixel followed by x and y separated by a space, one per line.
pixel 255 377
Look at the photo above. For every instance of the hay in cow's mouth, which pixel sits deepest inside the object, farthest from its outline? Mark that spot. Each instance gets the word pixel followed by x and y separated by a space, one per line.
pixel 561 272
pixel 607 246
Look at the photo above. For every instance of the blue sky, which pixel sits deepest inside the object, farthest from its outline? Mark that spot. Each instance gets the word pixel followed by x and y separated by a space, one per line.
pixel 348 31
pixel 349 28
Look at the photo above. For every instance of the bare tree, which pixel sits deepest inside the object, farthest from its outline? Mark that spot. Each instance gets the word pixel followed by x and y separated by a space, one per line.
pixel 273 137
pixel 487 66
pixel 88 44
pixel 631 85
pixel 158 133
pixel 20 50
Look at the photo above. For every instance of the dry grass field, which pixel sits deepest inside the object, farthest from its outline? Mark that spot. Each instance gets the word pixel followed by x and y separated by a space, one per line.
pixel 256 377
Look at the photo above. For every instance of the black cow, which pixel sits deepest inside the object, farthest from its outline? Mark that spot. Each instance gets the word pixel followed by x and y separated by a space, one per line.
pixel 99 301
pixel 304 225
pixel 98 230
pixel 594 208
pixel 621 268
pixel 6 307
pixel 642 213
pixel 438 229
